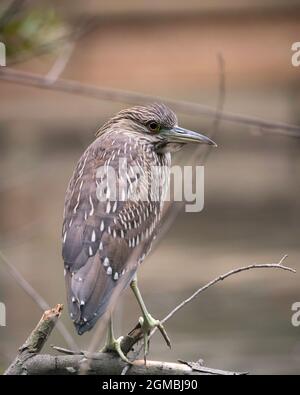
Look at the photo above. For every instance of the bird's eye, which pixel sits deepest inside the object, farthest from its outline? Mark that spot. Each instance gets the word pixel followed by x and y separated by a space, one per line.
pixel 153 126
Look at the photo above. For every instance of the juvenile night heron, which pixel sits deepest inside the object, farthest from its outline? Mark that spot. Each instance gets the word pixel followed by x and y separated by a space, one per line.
pixel 113 207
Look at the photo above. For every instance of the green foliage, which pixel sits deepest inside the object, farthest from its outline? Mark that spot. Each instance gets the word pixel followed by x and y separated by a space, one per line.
pixel 30 31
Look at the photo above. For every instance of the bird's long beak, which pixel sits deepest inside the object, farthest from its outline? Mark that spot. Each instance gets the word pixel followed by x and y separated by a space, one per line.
pixel 181 135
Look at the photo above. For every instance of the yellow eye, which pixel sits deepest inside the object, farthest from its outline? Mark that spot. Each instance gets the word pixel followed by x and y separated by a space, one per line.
pixel 153 126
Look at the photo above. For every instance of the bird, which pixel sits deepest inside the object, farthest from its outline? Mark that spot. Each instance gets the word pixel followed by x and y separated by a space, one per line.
pixel 112 211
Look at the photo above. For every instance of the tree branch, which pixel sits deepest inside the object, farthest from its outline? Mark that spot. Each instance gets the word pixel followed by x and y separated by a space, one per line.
pixel 136 334
pixel 29 362
pixel 109 364
pixel 278 265
pixel 172 208
pixel 74 362
pixel 35 341
pixel 60 63
pixel 73 87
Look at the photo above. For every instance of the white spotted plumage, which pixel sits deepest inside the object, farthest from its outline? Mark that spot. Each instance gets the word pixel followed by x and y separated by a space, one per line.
pixel 102 230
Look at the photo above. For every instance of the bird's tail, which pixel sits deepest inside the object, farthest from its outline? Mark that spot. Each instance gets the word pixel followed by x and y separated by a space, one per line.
pixel 85 312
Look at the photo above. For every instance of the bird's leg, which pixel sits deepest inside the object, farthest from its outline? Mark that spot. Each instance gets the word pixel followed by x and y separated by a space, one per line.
pixel 112 344
pixel 147 322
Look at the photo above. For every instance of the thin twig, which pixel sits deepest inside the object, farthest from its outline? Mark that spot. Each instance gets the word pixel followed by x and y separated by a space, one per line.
pixel 220 107
pixel 61 63
pixel 73 87
pixel 278 265
pixel 66 351
pixel 200 368
pixel 37 298
pixel 222 277
pixel 172 209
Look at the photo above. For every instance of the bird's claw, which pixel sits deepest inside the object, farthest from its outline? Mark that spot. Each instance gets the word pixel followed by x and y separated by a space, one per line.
pixel 148 323
pixel 115 347
pixel 164 334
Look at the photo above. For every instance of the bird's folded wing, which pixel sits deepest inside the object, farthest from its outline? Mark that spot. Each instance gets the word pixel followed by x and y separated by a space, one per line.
pixel 104 237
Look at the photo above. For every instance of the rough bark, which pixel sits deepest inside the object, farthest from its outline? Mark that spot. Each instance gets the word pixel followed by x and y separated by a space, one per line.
pixel 30 362
pixel 35 342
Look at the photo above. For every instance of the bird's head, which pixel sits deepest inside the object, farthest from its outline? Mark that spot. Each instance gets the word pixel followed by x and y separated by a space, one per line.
pixel 157 124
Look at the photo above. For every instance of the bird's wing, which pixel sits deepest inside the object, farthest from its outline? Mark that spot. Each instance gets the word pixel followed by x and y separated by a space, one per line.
pixel 101 234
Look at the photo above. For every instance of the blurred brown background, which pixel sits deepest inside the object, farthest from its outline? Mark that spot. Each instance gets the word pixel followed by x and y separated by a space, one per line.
pixel 167 49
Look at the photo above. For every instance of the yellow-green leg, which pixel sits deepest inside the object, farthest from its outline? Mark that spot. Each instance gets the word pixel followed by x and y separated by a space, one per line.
pixel 147 322
pixel 112 344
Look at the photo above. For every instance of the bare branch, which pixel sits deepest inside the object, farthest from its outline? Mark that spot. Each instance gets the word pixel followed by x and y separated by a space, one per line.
pixel 73 87
pixel 28 362
pixel 66 351
pixel 61 62
pixel 35 341
pixel 278 265
pixel 136 334
pixel 109 364
pixel 37 298
pixel 219 110
pixel 172 208
pixel 200 368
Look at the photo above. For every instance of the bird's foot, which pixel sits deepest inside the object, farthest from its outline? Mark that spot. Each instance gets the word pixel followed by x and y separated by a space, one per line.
pixel 148 323
pixel 114 346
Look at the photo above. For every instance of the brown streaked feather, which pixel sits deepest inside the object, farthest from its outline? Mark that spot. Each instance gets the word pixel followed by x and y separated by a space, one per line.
pixel 100 236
